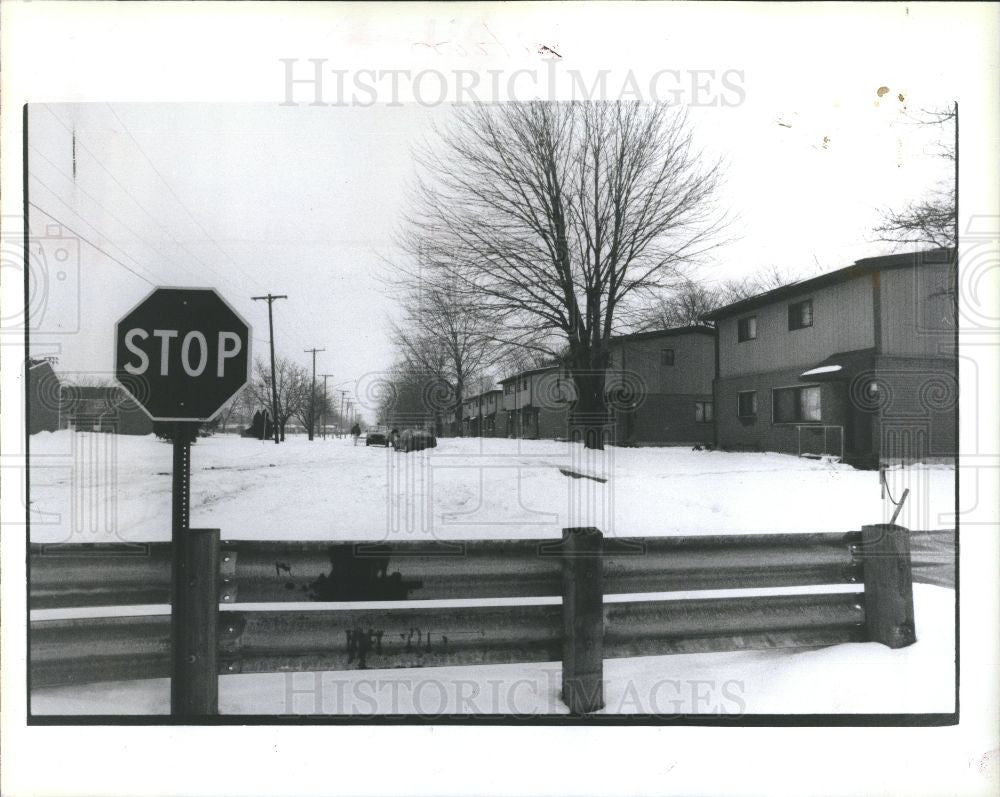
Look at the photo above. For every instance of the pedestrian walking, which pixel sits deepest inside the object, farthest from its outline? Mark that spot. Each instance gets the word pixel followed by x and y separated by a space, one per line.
pixel 355 433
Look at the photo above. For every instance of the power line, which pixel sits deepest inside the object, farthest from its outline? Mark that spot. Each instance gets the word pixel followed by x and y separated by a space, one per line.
pixel 91 243
pixel 137 203
pixel 176 197
pixel 325 377
pixel 312 395
pixel 79 216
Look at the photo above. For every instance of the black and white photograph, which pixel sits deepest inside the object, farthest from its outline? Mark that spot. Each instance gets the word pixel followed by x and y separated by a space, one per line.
pixel 477 379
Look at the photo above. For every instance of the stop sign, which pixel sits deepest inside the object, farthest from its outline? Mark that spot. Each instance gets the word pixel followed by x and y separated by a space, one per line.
pixel 182 353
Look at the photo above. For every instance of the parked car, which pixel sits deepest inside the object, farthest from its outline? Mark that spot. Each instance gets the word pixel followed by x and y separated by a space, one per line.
pixel 414 440
pixel 377 436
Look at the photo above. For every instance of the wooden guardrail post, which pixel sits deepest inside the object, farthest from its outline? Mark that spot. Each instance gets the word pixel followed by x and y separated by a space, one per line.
pixel 583 619
pixel 888 577
pixel 194 684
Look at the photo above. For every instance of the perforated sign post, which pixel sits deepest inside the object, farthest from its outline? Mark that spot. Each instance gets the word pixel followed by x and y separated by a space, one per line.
pixel 182 353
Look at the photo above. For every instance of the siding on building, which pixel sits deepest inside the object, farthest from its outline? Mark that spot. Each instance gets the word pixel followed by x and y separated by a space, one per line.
pixel 535 404
pixel 654 403
pixel 917 311
pixel 842 321
pixel 44 390
pixel 889 322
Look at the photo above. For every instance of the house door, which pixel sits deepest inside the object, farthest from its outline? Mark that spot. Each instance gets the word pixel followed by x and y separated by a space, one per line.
pixel 858 433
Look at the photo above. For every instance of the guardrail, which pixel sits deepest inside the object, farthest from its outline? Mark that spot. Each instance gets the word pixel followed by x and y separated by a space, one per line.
pixel 581 568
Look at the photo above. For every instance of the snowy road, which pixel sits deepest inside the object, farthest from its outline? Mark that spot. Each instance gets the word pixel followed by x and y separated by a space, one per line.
pixel 92 487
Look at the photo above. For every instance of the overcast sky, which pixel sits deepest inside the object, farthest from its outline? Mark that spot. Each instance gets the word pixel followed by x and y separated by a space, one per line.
pixel 304 201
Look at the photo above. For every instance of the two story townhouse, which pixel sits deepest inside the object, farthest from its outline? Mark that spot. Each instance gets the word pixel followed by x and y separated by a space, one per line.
pixel 535 404
pixel 859 363
pixel 470 416
pixel 489 412
pixel 659 386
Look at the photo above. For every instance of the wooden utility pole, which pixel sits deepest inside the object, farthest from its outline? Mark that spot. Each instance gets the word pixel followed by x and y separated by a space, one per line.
pixel 274 380
pixel 312 395
pixel 343 419
pixel 325 377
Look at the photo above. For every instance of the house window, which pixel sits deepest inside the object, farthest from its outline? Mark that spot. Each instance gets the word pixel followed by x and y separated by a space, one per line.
pixel 703 411
pixel 666 357
pixel 746 404
pixel 796 404
pixel 746 328
pixel 800 315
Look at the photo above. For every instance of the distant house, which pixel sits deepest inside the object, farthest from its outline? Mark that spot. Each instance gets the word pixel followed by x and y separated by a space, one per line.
pixel 101 409
pixel 43 397
pixel 490 412
pixel 535 404
pixel 479 414
pixel 470 419
pixel 859 362
pixel 659 386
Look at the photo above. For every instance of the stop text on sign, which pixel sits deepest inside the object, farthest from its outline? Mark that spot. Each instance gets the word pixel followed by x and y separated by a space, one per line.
pixel 182 353
pixel 192 356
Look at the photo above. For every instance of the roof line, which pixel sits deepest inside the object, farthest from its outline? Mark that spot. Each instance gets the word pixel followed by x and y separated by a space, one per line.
pixel 858 268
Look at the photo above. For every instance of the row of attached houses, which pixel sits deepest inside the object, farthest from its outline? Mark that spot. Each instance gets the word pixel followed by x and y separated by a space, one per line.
pixel 859 363
pixel 659 387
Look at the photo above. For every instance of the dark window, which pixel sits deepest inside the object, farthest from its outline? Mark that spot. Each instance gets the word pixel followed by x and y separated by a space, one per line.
pixel 703 411
pixel 800 315
pixel 796 404
pixel 746 328
pixel 667 357
pixel 746 404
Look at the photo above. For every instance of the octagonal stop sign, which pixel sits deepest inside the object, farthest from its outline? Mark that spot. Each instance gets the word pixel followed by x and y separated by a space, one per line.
pixel 182 353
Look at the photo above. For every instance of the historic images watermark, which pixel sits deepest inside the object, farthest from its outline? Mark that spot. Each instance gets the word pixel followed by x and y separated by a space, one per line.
pixel 318 82
pixel 433 697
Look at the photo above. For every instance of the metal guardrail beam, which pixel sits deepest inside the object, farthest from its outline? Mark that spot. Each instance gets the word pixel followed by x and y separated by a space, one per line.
pixel 278 572
pixel 75 575
pixel 126 648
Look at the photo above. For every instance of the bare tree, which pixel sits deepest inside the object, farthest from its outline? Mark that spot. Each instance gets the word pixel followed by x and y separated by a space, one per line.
pixel 735 290
pixel 443 336
pixel 681 307
pixel 413 397
pixel 292 388
pixel 237 409
pixel 305 406
pixel 931 220
pixel 550 218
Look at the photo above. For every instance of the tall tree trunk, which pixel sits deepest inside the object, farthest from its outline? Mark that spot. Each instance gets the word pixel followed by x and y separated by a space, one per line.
pixel 589 421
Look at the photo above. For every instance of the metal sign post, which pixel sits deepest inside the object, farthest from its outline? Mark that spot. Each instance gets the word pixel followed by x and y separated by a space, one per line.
pixel 182 354
pixel 194 681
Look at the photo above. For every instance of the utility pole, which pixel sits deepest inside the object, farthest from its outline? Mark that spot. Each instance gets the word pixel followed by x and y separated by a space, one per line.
pixel 274 380
pixel 325 377
pixel 312 395
pixel 343 418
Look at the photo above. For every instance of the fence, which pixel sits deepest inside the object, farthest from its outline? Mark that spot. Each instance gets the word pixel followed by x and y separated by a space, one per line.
pixel 581 632
pixel 820 441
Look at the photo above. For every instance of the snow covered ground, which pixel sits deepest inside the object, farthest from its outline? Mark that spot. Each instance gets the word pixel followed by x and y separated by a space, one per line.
pixel 90 487
pixel 851 678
